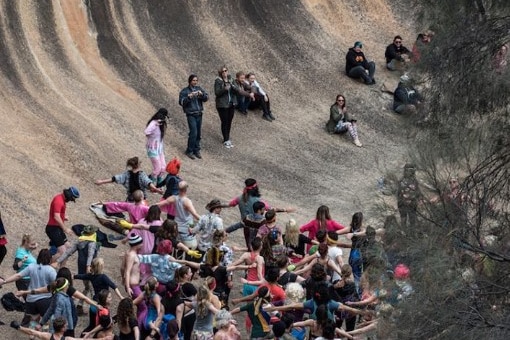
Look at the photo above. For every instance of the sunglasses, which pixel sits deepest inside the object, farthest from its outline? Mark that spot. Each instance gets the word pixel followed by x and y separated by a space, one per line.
pixel 398 42
pixel 224 70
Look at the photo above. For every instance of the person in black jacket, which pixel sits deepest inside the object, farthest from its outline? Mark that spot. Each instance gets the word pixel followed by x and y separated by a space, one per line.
pixel 191 98
pixel 396 54
pixel 357 65
pixel 227 92
pixel 406 98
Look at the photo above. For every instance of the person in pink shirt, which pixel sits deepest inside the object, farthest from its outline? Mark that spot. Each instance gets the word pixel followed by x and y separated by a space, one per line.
pixel 155 131
pixel 146 229
pixel 137 210
pixel 322 220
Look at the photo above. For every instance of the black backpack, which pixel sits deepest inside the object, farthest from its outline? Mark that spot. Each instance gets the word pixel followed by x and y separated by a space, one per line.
pixel 12 303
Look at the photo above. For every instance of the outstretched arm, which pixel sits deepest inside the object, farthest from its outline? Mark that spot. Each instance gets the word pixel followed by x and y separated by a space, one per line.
pixel 169 200
pixel 190 264
pixel 245 298
pixel 297 305
pixel 33 332
pixel 104 181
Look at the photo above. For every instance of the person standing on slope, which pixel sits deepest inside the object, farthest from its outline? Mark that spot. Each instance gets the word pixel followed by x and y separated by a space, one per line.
pixel 226 91
pixel 56 228
pixel 191 98
pixel 155 132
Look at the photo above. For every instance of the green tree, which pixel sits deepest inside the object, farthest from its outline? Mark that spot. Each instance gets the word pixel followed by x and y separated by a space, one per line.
pixel 459 253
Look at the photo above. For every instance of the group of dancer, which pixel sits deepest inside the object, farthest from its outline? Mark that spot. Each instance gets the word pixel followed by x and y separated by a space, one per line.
pixel 178 270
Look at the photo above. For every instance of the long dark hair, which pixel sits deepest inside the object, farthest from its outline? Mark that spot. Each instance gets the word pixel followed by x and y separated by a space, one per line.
pixel 357 221
pixel 323 216
pixel 125 311
pixel 153 214
pixel 161 115
pixel 168 230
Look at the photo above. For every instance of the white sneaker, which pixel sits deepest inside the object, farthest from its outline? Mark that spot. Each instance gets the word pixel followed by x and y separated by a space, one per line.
pixel 357 142
pixel 227 144
pixel 230 143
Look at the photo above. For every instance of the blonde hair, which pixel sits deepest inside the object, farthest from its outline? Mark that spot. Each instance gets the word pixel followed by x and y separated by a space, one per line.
pixel 26 239
pixel 150 286
pixel 218 237
pixel 97 266
pixel 292 233
pixel 346 271
pixel 223 318
pixel 294 293
pixel 203 299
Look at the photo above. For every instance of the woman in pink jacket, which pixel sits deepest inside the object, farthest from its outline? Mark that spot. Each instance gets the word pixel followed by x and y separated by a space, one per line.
pixel 324 221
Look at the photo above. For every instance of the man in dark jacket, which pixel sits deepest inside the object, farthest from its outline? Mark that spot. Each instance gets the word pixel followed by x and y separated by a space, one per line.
pixel 191 98
pixel 406 98
pixel 396 54
pixel 357 66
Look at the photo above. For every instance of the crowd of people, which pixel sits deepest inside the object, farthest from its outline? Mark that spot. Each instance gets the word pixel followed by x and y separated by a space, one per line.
pixel 179 269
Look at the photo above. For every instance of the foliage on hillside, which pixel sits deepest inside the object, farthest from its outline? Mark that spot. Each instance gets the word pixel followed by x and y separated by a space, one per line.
pixel 460 251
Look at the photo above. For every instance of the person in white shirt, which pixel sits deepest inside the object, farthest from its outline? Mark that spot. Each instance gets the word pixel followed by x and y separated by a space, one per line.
pixel 261 98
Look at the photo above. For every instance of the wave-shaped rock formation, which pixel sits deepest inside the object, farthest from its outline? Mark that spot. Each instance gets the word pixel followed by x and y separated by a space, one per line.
pixel 80 79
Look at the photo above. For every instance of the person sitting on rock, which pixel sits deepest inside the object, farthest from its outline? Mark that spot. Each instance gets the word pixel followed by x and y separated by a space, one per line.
pixel 396 54
pixel 357 66
pixel 261 98
pixel 245 96
pixel 340 121
pixel 406 98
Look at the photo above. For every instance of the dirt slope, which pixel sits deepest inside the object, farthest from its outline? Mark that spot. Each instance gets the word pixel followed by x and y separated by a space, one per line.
pixel 80 79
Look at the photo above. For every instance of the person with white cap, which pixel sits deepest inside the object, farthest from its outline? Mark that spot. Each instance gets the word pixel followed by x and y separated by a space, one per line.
pixel 56 228
pixel 406 98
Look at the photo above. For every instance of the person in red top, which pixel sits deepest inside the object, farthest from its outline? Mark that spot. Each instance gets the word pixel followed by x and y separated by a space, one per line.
pixel 56 228
pixel 271 282
pixel 324 221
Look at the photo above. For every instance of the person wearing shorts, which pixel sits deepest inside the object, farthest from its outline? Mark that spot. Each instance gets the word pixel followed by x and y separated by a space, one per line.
pixel 56 228
pixel 41 275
